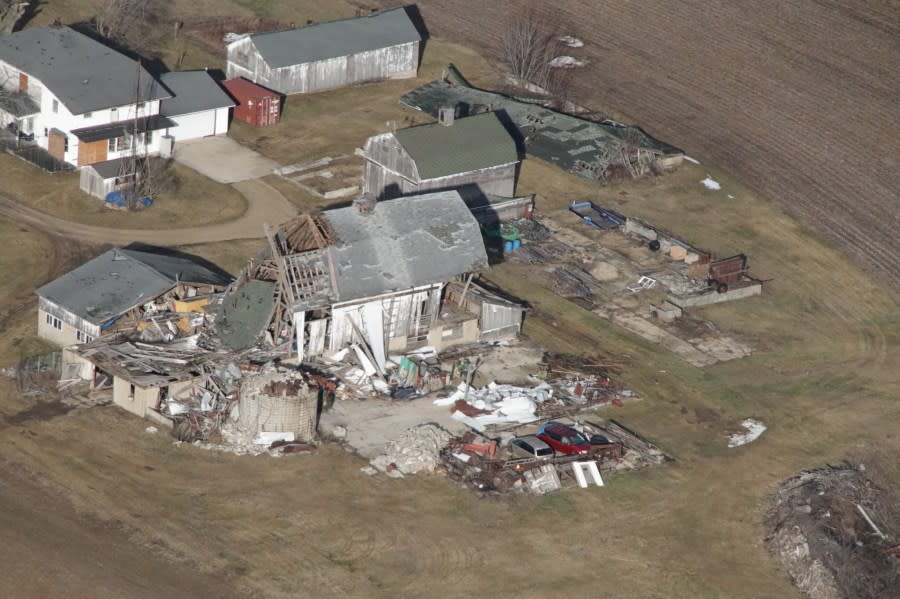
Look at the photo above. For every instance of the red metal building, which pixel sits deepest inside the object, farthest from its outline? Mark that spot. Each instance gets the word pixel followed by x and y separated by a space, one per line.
pixel 255 104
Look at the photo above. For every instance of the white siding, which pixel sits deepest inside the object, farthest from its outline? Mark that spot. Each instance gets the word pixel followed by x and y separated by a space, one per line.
pixel 394 62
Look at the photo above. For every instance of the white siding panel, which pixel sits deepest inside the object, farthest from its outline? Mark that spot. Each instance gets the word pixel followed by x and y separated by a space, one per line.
pixel 192 126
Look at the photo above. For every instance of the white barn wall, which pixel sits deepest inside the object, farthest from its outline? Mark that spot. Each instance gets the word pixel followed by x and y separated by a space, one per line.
pixel 394 62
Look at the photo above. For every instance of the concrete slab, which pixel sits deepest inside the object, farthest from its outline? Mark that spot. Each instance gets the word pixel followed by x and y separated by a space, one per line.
pixel 223 159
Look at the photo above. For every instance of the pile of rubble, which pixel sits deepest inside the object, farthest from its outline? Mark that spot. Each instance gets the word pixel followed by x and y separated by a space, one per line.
pixel 835 532
pixel 495 404
pixel 490 465
pixel 416 450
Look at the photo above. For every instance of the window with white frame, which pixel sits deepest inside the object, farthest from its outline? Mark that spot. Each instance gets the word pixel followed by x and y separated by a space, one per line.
pixel 148 138
pixel 55 106
pixel 120 144
pixel 83 337
pixel 54 322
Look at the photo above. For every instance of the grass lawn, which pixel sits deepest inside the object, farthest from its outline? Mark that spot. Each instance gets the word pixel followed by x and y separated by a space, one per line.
pixel 196 200
pixel 823 378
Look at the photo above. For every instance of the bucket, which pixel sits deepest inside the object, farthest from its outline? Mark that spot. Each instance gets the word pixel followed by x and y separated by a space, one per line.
pixel 507 246
pixel 517 243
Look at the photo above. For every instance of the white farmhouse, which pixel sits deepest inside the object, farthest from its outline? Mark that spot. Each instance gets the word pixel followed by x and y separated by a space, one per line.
pixel 82 101
pixel 384 45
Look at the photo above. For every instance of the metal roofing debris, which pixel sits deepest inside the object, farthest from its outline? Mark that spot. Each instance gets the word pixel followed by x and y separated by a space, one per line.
pixel 193 91
pixel 84 74
pixel 468 144
pixel 147 364
pixel 404 243
pixel 120 279
pixel 120 128
pixel 332 39
pixel 584 147
pixel 243 314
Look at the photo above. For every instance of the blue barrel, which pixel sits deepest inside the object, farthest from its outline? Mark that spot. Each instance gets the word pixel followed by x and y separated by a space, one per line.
pixel 517 244
pixel 507 246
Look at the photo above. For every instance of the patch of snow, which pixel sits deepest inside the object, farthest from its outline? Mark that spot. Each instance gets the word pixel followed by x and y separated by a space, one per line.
pixel 754 428
pixel 711 183
pixel 566 62
pixel 730 197
pixel 571 41
pixel 151 430
pixel 689 159
pixel 231 37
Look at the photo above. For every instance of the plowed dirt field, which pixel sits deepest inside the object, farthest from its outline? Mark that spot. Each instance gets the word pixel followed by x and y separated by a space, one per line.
pixel 798 100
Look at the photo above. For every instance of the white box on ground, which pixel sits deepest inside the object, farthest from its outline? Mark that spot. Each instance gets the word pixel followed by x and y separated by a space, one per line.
pixel 593 470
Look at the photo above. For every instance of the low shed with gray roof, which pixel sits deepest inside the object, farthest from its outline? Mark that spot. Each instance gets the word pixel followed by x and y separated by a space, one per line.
pixel 476 155
pixel 198 107
pixel 329 55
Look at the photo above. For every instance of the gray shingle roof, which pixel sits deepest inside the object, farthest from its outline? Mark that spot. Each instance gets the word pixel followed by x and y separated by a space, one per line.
pixel 114 282
pixel 336 38
pixel 109 168
pixel 193 91
pixel 404 243
pixel 468 144
pixel 84 74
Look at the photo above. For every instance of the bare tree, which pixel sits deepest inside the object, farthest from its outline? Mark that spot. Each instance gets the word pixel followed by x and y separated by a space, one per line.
pixel 528 46
pixel 13 14
pixel 121 20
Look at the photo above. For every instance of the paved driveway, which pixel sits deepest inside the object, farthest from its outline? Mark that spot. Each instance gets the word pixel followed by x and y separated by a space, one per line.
pixel 222 159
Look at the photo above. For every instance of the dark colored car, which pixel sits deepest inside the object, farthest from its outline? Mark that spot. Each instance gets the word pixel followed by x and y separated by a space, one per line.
pixel 564 439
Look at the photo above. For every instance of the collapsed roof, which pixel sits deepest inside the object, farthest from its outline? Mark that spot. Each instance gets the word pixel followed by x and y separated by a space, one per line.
pixel 347 254
pixel 584 147
pixel 121 279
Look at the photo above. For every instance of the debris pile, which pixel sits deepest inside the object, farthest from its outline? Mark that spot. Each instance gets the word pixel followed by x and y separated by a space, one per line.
pixel 834 531
pixel 416 450
pixel 495 404
pixel 487 464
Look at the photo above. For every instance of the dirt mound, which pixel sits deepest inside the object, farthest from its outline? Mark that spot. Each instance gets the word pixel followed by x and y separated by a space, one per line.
pixel 820 534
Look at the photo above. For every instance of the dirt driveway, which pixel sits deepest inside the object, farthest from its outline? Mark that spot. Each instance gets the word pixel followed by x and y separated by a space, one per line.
pixel 266 205
pixel 223 159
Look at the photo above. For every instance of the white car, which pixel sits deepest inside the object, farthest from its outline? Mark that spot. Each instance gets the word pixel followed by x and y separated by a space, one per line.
pixel 530 446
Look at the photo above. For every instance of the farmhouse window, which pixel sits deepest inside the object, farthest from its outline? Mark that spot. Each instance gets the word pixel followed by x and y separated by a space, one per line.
pixel 54 322
pixel 55 106
pixel 120 144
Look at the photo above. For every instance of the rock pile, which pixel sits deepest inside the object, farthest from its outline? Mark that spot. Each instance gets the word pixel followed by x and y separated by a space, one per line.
pixel 416 450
